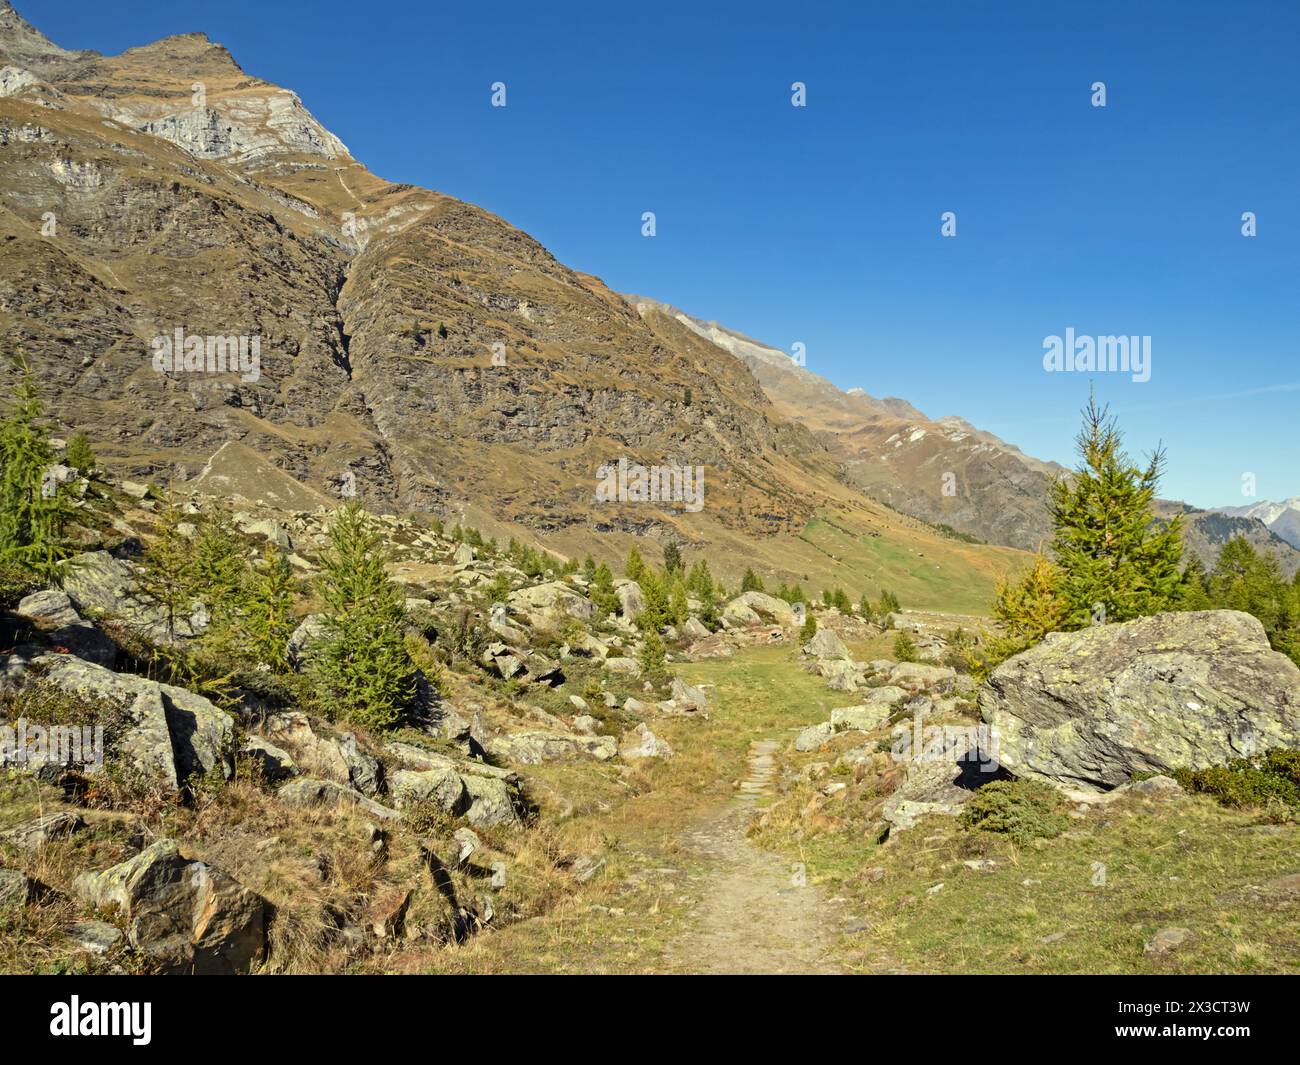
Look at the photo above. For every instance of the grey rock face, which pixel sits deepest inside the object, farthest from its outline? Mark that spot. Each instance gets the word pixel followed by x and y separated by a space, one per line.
pixel 533 748
pixel 1089 709
pixel 826 644
pixel 173 734
pixel 63 626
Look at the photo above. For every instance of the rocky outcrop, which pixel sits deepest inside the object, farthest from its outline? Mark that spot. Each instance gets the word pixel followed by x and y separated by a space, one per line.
pixel 641 743
pixel 171 733
pixel 533 748
pixel 751 608
pixel 185 916
pixel 1089 709
pixel 58 619
pixel 826 644
pixel 554 599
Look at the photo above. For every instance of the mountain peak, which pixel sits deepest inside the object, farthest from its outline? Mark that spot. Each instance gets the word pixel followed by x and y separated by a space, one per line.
pixel 23 45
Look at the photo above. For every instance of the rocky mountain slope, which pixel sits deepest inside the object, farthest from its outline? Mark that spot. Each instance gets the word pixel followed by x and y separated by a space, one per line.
pixel 1281 518
pixel 948 472
pixel 411 346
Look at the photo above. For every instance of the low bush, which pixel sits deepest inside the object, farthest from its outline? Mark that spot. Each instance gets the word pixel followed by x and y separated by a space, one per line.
pixel 1022 809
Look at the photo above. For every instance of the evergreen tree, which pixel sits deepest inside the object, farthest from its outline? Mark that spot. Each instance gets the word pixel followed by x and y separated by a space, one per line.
pixel 809 628
pixel 1031 607
pixel 1194 587
pixel 165 578
pixel 79 456
pixel 270 621
pixel 1110 549
pixel 904 648
pixel 589 567
pixel 635 566
pixel 673 559
pixel 751 582
pixel 654 592
pixel 841 602
pixel 33 508
pixel 602 592
pixel 678 610
pixel 700 582
pixel 652 657
pixel 363 671
pixel 219 566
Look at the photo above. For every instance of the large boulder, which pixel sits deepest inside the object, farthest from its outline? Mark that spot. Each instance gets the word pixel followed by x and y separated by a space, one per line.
pixel 97 582
pixel 759 605
pixel 826 644
pixel 642 743
pixel 631 599
pixel 922 676
pixel 535 747
pixel 187 917
pixel 1088 709
pixel 484 795
pixel 171 733
pixel 555 599
pixel 53 611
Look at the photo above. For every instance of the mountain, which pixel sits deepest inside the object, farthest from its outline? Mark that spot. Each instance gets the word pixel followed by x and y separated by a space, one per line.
pixel 946 471
pixel 1282 518
pixel 407 343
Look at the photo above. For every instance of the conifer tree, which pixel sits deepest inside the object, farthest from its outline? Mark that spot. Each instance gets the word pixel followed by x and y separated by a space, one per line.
pixel 33 508
pixel 1031 607
pixel 363 671
pixel 751 581
pixel 270 620
pixel 678 609
pixel 219 566
pixel 165 577
pixel 635 567
pixel 602 592
pixel 654 592
pixel 651 657
pixel 672 558
pixel 1116 559
pixel 79 456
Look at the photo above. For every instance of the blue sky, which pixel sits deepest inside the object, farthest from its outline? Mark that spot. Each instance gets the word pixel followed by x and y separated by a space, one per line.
pixel 822 224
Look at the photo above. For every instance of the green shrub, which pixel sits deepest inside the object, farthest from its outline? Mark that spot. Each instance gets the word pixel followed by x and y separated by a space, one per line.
pixel 1023 809
pixel 904 648
pixel 1268 780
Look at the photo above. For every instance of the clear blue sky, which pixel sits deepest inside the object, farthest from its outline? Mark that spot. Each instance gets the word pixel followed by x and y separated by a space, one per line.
pixel 821 224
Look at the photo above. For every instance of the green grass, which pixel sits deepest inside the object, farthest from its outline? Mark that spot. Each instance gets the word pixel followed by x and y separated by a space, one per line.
pixel 1098 891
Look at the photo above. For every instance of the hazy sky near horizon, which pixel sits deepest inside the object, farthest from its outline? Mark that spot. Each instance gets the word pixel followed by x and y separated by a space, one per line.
pixel 821 224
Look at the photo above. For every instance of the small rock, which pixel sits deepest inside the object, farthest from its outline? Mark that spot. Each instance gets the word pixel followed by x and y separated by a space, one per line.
pixel 37 833
pixel 1166 940
pixel 94 937
pixel 16 890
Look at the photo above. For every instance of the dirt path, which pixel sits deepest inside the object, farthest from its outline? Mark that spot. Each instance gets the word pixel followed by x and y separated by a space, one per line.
pixel 753 916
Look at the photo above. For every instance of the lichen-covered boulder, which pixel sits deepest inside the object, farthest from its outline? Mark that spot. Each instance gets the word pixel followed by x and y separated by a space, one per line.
pixel 184 915
pixel 1088 709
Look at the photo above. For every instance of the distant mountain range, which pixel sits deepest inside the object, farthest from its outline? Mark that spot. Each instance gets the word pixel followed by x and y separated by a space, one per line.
pixel 948 472
pixel 1282 518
